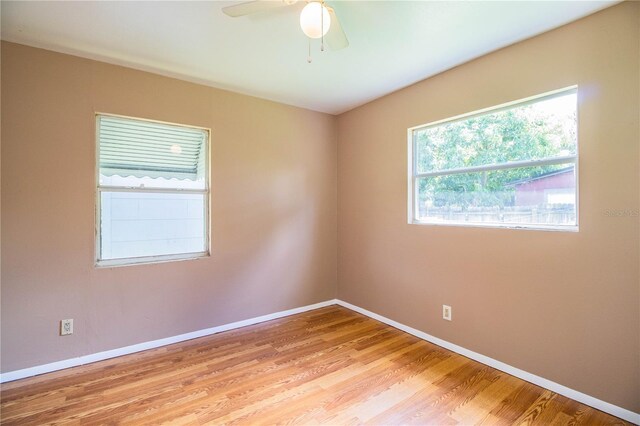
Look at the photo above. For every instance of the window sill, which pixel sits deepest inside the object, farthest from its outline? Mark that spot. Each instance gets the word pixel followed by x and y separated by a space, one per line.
pixel 552 228
pixel 146 260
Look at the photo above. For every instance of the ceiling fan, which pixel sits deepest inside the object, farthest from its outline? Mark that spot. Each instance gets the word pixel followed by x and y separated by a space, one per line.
pixel 317 20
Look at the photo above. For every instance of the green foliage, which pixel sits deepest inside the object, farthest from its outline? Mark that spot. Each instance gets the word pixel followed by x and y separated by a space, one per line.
pixel 530 132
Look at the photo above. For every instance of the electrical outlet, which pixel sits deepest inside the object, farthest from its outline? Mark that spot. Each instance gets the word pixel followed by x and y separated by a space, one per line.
pixel 446 312
pixel 66 327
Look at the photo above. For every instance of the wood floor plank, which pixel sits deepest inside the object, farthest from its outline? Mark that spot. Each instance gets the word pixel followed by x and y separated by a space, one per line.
pixel 327 366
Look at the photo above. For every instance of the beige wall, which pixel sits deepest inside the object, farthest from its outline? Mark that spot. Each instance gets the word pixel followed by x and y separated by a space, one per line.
pixel 565 306
pixel 273 215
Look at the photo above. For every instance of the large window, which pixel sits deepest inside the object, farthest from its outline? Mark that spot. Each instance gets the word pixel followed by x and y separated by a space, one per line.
pixel 510 166
pixel 153 191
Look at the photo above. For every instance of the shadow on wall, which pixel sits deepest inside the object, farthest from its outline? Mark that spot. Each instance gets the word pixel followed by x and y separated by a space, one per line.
pixel 271 239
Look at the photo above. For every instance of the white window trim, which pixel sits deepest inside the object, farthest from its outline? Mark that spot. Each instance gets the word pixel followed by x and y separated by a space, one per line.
pixel 412 188
pixel 130 261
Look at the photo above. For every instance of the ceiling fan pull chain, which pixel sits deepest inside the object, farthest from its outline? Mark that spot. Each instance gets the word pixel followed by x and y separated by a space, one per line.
pixel 322 26
pixel 309 57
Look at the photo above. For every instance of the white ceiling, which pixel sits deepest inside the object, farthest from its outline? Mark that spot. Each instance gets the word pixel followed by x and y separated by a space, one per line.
pixel 393 43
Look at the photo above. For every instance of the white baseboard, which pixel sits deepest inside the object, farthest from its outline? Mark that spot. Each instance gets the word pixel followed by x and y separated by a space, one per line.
pixel 540 381
pixel 86 359
pixel 601 405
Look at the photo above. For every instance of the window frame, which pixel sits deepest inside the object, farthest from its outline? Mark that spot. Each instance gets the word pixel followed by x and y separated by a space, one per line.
pixel 413 175
pixel 206 192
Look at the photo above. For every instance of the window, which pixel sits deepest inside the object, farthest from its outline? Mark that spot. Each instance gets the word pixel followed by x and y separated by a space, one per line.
pixel 510 166
pixel 153 191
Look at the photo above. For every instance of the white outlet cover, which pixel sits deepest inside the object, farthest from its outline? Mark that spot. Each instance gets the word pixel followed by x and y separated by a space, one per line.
pixel 66 327
pixel 446 312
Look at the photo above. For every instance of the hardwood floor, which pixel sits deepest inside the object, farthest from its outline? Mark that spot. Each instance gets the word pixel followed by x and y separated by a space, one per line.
pixel 329 366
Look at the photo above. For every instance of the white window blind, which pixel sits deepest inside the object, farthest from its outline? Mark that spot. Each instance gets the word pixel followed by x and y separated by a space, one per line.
pixel 147 149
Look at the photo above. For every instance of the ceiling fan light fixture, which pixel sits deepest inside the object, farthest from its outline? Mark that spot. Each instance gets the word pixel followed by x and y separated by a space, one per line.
pixel 313 24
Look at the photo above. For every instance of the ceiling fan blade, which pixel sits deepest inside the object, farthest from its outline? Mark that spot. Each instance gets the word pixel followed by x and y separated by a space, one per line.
pixel 335 38
pixel 256 6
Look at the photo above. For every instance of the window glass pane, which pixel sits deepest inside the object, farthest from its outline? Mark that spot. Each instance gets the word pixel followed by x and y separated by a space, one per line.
pixel 151 224
pixel 138 153
pixel 544 129
pixel 528 195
